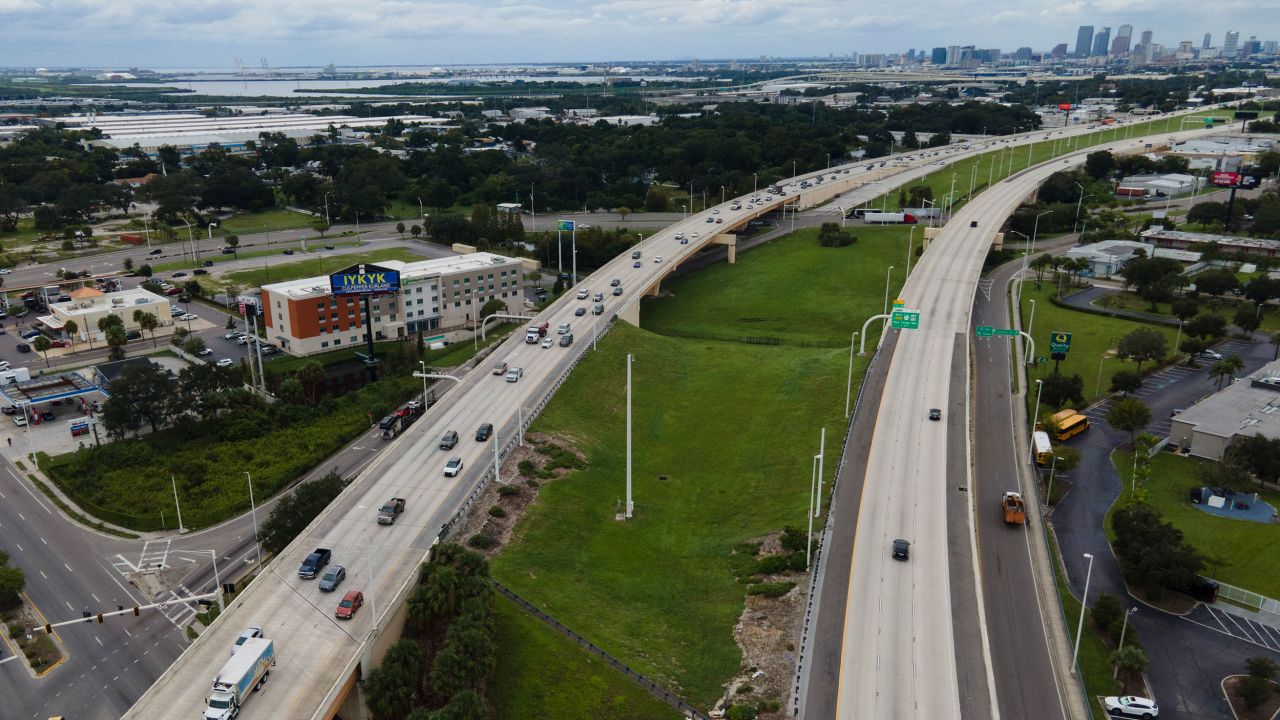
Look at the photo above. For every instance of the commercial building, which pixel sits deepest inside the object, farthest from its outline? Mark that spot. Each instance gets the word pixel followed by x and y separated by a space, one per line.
pixel 1249 406
pixel 1107 257
pixel 88 305
pixel 437 298
pixel 1169 184
pixel 1199 242
pixel 1084 39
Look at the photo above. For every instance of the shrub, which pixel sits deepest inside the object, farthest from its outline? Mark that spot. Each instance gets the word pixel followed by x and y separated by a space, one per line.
pixel 532 483
pixel 1107 611
pixel 771 564
pixel 16 631
pixel 793 539
pixel 741 712
pixel 508 490
pixel 771 590
pixel 526 467
pixel 497 511
pixel 1254 691
pixel 745 688
pixel 481 541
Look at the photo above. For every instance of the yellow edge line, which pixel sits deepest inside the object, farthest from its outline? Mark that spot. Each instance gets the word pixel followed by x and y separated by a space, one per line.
pixel 61 647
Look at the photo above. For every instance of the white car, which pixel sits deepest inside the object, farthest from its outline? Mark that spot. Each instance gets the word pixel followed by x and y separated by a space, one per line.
pixel 253 631
pixel 188 316
pixel 453 467
pixel 547 343
pixel 582 294
pixel 19 420
pixel 204 353
pixel 232 335
pixel 1131 706
pixel 658 259
pixel 5 271
pixel 514 374
pixel 225 362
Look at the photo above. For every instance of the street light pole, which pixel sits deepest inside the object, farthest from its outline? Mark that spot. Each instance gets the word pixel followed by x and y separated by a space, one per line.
pixel 177 504
pixel 1030 323
pixel 884 323
pixel 848 387
pixel 196 249
pixel 1079 202
pixel 1084 604
pixel 911 236
pixel 630 506
pixel 813 479
pixel 327 221
pixel 1123 627
pixel 1039 389
pixel 253 509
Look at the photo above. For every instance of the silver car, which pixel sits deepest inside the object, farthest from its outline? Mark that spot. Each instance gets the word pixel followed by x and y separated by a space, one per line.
pixel 333 577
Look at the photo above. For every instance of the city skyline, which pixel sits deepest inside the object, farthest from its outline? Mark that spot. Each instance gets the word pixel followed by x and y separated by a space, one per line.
pixel 381 32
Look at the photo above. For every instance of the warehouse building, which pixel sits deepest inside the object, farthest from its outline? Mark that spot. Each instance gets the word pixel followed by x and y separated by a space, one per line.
pixel 438 299
pixel 88 306
pixel 1200 242
pixel 1249 406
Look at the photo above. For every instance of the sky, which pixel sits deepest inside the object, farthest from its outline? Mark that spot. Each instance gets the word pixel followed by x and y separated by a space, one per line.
pixel 212 33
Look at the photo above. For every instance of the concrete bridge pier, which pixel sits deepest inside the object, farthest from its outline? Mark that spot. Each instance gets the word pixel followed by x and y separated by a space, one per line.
pixel 730 241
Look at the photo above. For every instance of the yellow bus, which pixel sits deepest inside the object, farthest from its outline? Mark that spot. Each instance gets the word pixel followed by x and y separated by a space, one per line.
pixel 1043 448
pixel 1068 423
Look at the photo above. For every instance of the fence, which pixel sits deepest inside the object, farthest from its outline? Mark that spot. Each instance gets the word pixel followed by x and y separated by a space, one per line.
pixel 650 686
pixel 1240 596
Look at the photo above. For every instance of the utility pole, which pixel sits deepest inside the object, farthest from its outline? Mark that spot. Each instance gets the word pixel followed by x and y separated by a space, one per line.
pixel 177 504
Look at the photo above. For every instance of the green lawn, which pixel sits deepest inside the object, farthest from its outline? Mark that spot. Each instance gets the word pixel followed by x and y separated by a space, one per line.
pixel 1094 655
pixel 573 685
pixel 1091 336
pixel 658 591
pixel 265 221
pixel 1248 548
pixel 791 289
pixel 315 265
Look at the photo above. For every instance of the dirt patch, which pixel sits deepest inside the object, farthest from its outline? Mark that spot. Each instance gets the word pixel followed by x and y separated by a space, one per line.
pixel 767 633
pixel 1266 711
pixel 542 459
pixel 42 651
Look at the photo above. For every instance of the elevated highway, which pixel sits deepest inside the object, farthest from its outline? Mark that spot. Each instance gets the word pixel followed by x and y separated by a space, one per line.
pixel 321 658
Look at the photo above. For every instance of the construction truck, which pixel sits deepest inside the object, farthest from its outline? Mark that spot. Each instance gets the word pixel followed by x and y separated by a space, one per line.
pixel 1015 511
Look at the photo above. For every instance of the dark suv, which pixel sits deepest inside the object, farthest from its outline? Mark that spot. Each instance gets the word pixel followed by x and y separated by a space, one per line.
pixel 901 549
pixel 485 431
pixel 448 440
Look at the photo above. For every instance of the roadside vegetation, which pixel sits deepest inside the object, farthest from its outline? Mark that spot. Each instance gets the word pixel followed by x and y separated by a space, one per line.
pixel 313 266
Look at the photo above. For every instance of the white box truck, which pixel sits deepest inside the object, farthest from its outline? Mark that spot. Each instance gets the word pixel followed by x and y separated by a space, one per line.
pixel 241 675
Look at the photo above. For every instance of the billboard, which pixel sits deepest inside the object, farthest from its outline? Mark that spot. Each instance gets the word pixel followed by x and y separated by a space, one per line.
pixel 1064 106
pixel 1225 179
pixel 364 279
pixel 1246 114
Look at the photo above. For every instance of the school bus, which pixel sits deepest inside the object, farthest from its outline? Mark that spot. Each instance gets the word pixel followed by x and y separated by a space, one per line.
pixel 1068 423
pixel 1043 448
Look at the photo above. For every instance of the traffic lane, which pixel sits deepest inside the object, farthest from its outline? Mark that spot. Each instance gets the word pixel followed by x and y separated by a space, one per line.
pixel 971 663
pixel 1022 666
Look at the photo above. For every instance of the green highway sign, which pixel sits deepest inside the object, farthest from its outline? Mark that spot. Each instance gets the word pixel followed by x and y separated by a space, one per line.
pixel 1006 331
pixel 906 320
pixel 985 331
pixel 1059 342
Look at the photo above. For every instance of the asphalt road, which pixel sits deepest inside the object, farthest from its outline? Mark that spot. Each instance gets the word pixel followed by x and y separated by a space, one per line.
pixel 1187 660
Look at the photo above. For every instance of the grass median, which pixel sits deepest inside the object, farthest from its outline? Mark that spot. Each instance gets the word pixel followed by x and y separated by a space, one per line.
pixel 573 684
pixel 315 266
pixel 1240 552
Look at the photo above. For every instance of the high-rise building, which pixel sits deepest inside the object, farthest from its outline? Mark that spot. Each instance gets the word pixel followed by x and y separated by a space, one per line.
pixel 1208 41
pixel 1184 50
pixel 1230 44
pixel 938 56
pixel 1146 37
pixel 1059 51
pixel 1023 55
pixel 1269 47
pixel 1102 41
pixel 1120 45
pixel 1084 36
pixel 953 54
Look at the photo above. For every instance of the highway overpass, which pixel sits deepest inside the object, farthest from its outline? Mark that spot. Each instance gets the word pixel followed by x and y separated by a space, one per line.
pixel 320 658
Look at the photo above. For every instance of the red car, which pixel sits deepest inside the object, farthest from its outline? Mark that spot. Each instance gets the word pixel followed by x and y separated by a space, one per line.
pixel 351 602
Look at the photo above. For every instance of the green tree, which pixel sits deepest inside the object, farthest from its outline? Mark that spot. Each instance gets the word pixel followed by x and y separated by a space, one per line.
pixel 148 322
pixel 1258 454
pixel 321 226
pixel 1248 317
pixel 145 270
pixel 71 327
pixel 128 264
pixel 1130 660
pixel 1129 414
pixel 1185 308
pixel 141 394
pixel 491 307
pixel 112 328
pixel 194 345
pixel 311 375
pixel 1206 325
pixel 1217 282
pixel 623 212
pixel 1141 345
pixel 1254 692
pixel 1126 381
pixel 12 583
pixel 295 510
pixel 1153 554
pixel 1099 164
pixel 1059 390
pixel 392 688
pixel 1225 474
pixel 830 235
pixel 416 231
pixel 233 242
pixel 400 229
pixel 41 345
pixel 1226 367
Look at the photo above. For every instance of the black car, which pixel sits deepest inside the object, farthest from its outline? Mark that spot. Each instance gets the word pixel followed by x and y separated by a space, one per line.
pixel 157 251
pixel 580 312
pixel 133 335
pixel 288 252
pixel 901 549
pixel 484 432
pixel 328 247
pixel 179 274
pixel 199 271
pixel 9 410
pixel 935 414
pixel 23 347
pixel 206 263
pixel 48 416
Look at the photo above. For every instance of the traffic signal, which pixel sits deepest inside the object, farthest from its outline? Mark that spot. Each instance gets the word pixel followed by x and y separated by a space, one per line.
pixel 204 602
pixel 99 618
pixel 48 629
pixel 136 611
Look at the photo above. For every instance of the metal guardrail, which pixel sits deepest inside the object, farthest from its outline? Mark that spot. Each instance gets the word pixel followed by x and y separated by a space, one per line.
pixel 650 686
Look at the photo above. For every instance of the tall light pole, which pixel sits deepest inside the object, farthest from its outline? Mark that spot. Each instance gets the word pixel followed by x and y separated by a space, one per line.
pixel 911 236
pixel 1034 417
pixel 253 509
pixel 755 182
pixel 822 451
pixel 176 504
pixel 1035 229
pixel 885 323
pixel 217 579
pixel 813 495
pixel 190 238
pixel 327 221
pixel 1030 323
pixel 1079 202
pixel 212 225
pixel 1084 604
pixel 630 506
pixel 1124 626
pixel 848 387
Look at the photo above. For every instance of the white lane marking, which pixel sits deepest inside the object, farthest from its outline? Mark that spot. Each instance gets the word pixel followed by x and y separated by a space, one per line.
pixel 46 577
pixel 68 567
pixel 95 597
pixel 43 541
pixel 95 637
pixel 19 547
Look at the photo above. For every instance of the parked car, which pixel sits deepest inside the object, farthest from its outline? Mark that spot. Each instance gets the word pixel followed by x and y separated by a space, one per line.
pixel 24 348
pixel 225 362
pixel 19 420
pixel 48 416
pixel 333 577
pixel 133 335
pixel 351 602
pixel 453 467
pixel 249 633
pixel 1131 706
pixel 1209 355
pixel 204 352
pixel 9 410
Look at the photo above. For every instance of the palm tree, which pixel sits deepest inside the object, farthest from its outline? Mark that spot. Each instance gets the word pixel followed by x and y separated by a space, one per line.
pixel 116 340
pixel 1275 340
pixel 148 322
pixel 42 345
pixel 71 327
pixel 1226 367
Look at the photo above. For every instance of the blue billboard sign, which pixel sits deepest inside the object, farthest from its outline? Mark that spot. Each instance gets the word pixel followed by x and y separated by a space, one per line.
pixel 364 279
